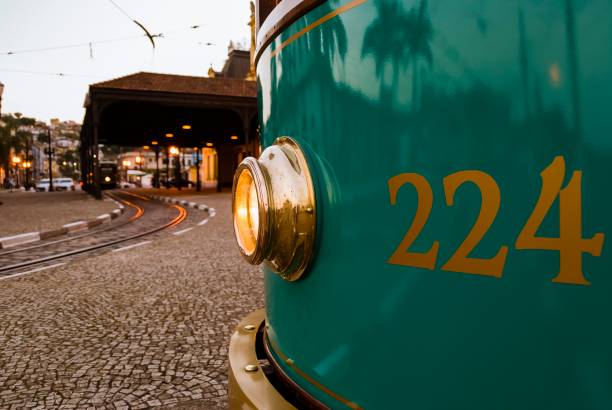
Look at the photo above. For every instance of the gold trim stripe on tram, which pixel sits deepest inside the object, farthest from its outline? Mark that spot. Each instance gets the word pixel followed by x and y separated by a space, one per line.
pixel 289 362
pixel 317 23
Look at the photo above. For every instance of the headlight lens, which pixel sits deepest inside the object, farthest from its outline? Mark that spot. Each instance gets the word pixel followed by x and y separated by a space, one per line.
pixel 246 212
pixel 273 208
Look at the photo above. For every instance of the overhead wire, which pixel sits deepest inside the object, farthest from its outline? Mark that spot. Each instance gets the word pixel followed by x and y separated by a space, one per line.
pixel 56 74
pixel 93 43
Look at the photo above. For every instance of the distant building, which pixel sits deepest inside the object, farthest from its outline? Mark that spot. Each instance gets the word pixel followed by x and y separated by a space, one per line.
pixel 236 66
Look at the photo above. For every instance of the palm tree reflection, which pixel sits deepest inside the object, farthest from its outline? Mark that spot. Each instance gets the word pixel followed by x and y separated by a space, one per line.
pixel 398 37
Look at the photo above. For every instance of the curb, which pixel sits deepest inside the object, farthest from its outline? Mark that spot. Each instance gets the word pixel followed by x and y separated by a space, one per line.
pixel 14 240
pixel 189 204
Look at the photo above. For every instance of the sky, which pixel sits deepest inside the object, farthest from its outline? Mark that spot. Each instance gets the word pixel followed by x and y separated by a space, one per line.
pixel 31 83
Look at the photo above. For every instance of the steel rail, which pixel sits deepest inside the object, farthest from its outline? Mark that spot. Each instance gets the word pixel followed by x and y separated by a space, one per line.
pixel 137 215
pixel 177 220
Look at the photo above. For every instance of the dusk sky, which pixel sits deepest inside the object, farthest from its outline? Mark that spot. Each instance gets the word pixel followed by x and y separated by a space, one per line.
pixel 32 85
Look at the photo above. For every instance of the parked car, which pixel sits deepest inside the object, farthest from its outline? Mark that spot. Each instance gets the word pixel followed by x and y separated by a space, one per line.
pixel 63 184
pixel 59 184
pixel 43 185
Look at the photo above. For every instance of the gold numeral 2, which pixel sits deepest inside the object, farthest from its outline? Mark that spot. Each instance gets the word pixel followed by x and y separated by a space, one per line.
pixel 490 201
pixel 401 256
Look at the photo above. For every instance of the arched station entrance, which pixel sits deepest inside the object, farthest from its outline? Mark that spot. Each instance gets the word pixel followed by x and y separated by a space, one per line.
pixel 160 110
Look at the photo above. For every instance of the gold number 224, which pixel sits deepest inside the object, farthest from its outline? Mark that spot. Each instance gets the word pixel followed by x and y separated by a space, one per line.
pixel 569 244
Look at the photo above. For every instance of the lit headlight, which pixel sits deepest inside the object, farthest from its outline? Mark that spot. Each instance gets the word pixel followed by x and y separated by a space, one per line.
pixel 273 209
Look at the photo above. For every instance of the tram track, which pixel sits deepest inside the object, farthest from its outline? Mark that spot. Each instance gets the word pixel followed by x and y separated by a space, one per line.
pixel 137 226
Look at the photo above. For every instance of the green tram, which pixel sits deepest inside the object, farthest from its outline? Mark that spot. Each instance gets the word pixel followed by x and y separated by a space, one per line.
pixel 430 207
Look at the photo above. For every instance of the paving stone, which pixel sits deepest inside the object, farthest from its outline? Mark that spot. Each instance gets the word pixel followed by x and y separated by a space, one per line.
pixel 123 330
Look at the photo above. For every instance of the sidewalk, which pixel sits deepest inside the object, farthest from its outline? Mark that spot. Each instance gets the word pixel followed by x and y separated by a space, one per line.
pixel 22 212
pixel 147 327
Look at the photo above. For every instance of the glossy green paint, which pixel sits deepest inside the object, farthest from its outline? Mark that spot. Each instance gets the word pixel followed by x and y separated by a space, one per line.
pixel 434 88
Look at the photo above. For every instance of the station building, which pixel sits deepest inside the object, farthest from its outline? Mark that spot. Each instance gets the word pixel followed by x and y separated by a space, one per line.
pixel 215 116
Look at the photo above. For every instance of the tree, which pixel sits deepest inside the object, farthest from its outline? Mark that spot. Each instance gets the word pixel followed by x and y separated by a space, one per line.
pixel 12 140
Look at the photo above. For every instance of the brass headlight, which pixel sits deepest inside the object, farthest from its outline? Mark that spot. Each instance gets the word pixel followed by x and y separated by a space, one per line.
pixel 273 209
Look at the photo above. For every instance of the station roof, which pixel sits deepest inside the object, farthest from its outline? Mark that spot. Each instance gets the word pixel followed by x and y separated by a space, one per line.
pixel 141 107
pixel 171 83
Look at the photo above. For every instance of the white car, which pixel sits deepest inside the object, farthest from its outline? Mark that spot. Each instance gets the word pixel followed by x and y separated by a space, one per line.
pixel 59 184
pixel 63 184
pixel 43 185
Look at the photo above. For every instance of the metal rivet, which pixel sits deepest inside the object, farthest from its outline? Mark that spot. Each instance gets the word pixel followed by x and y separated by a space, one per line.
pixel 251 368
pixel 289 361
pixel 249 327
pixel 309 210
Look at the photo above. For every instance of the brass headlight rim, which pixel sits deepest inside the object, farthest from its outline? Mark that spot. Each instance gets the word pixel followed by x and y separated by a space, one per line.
pixel 296 271
pixel 251 166
pixel 286 198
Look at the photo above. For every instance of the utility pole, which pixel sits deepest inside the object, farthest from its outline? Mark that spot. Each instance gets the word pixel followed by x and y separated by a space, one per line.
pixel 27 164
pixel 50 154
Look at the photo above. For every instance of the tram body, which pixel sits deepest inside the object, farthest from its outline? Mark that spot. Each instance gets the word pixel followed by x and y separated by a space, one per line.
pixel 455 253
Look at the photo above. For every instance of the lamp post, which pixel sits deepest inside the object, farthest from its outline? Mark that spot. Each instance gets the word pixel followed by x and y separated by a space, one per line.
pixel 197 163
pixel 167 167
pixel 16 161
pixel 50 156
pixel 174 151
pixel 26 167
pixel 156 179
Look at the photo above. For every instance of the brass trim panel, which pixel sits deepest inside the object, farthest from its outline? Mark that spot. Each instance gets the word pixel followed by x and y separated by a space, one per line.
pixel 249 388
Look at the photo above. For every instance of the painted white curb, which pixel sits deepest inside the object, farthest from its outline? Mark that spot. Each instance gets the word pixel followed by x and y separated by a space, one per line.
pixel 15 240
pixel 75 226
pixel 24 238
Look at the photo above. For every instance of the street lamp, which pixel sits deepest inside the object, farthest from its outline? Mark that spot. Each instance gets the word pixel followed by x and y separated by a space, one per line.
pixel 174 151
pixel 26 167
pixel 16 161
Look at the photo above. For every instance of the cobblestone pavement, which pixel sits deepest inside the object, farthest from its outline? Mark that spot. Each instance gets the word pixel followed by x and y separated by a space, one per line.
pixel 22 212
pixel 145 327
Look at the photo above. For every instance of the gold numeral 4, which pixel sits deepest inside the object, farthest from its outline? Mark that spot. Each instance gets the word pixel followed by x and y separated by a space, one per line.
pixel 570 243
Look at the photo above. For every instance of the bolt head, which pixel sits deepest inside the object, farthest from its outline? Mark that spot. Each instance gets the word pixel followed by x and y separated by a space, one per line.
pixel 251 368
pixel 249 328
